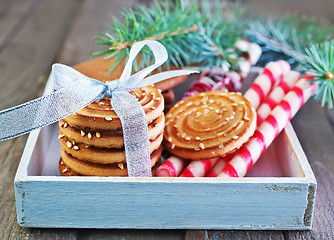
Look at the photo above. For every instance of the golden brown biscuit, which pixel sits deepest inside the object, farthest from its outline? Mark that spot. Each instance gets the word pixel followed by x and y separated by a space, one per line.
pixel 99 114
pixel 101 155
pixel 106 138
pixel 70 166
pixel 209 124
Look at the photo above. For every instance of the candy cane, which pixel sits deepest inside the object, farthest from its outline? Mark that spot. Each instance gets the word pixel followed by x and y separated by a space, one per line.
pixel 172 167
pixel 276 95
pixel 198 168
pixel 263 84
pixel 219 166
pixel 269 129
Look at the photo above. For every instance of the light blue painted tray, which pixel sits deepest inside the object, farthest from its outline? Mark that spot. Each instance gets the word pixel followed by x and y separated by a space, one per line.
pixel 278 193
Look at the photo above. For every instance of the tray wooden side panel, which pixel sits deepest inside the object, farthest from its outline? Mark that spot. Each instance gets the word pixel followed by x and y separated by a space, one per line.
pixel 163 204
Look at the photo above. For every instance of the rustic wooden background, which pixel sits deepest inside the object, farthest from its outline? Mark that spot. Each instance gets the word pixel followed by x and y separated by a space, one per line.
pixel 35 33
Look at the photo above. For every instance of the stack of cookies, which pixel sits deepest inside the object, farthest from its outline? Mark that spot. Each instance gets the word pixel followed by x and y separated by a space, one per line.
pixel 92 141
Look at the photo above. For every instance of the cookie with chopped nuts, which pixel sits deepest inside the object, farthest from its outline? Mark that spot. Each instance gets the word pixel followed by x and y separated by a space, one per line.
pixel 71 166
pixel 209 124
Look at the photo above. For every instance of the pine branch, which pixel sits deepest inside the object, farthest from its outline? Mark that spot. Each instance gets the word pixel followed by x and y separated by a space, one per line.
pixel 180 29
pixel 288 37
pixel 320 60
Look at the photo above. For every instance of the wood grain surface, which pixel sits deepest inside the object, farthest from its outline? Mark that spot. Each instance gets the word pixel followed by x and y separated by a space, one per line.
pixel 35 33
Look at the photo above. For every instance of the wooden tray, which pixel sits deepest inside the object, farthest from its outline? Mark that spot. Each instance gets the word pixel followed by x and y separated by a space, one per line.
pixel 278 193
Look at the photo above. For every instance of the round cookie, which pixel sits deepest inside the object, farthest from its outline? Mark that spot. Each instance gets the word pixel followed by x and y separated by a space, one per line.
pixel 209 124
pixel 105 138
pixel 70 166
pixel 101 155
pixel 100 115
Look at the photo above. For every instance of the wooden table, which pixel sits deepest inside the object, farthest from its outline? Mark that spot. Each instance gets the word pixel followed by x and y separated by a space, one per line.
pixel 34 34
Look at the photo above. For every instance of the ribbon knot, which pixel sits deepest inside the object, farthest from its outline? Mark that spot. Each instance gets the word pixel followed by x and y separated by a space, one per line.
pixel 112 86
pixel 74 91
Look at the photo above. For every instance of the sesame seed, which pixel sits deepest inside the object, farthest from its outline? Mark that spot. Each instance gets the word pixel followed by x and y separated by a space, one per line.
pixel 108 118
pixel 187 138
pixel 211 101
pixel 83 133
pixel 107 108
pixel 60 136
pixel 189 104
pixel 221 145
pixel 89 135
pixel 97 134
pixel 152 107
pixel 234 104
pixel 86 146
pixel 217 111
pixel 120 165
pixel 159 90
pixel 101 103
pixel 246 118
pixel 73 142
pixel 65 170
pixel 170 139
pixel 76 148
pixel 201 145
pixel 69 144
pixel 235 137
pixel 196 149
pixel 211 108
pixel 158 98
pixel 173 146
pixel 198 138
pixel 183 135
pixel 65 125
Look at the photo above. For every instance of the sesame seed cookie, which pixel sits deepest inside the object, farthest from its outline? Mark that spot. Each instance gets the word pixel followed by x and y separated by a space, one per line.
pixel 209 124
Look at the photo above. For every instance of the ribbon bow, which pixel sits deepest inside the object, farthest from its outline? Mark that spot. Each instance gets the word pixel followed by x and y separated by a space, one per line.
pixel 74 91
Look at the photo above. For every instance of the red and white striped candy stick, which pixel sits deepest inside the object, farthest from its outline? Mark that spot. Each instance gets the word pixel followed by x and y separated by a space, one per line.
pixel 198 168
pixel 219 166
pixel 263 84
pixel 284 69
pixel 276 95
pixel 172 167
pixel 269 129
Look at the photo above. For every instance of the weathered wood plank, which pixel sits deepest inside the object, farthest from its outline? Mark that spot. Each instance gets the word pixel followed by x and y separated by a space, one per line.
pixel 317 138
pixel 28 55
pixel 12 17
pixel 238 235
pixel 100 234
pixel 91 19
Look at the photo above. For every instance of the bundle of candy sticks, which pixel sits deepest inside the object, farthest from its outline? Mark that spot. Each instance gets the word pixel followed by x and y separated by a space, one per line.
pixel 277 94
